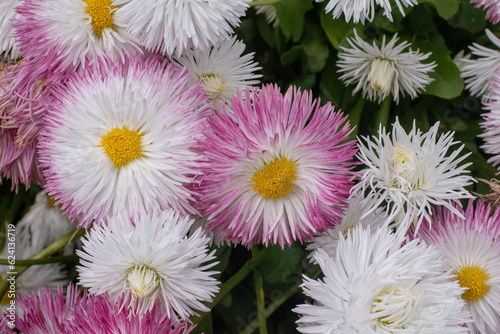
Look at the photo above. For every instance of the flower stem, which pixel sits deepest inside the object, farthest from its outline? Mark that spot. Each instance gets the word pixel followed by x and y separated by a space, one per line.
pixel 46 252
pixel 276 304
pixel 234 281
pixel 354 117
pixel 262 2
pixel 259 291
pixel 54 259
pixel 383 113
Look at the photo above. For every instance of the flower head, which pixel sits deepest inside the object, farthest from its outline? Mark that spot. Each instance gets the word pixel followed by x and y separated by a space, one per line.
pixel 354 216
pixel 73 33
pixel 492 8
pixel 221 70
pixel 272 174
pixel 380 71
pixel 120 141
pixel 71 312
pixel 478 73
pixel 491 124
pixel 173 27
pixel 377 285
pixel 361 10
pixel 147 260
pixel 8 46
pixel 471 248
pixel 410 172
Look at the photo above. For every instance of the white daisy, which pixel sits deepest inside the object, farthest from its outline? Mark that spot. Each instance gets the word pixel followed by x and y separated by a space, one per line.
pixel 354 216
pixel 73 32
pixel 176 26
pixel 380 71
pixel 270 13
pixel 361 10
pixel 410 172
pixel 491 124
pixel 120 141
pixel 7 43
pixel 377 285
pixel 478 73
pixel 42 225
pixel 222 70
pixel 153 260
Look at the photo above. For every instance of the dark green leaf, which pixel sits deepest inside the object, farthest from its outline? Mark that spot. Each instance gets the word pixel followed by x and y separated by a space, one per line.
pixel 337 29
pixel 291 15
pixel 469 17
pixel 445 8
pixel 281 263
pixel 316 55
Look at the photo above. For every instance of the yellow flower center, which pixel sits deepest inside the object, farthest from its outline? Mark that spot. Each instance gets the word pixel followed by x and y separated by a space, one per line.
pixel 101 12
pixel 213 85
pixel 122 145
pixel 275 180
pixel 143 280
pixel 474 279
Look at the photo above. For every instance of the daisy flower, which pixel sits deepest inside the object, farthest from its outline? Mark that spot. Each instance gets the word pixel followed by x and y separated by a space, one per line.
pixel 380 71
pixel 149 262
pixel 44 313
pixel 354 216
pixel 270 13
pixel 478 73
pixel 491 124
pixel 73 33
pixel 222 70
pixel 120 141
pixel 176 26
pixel 410 172
pixel 471 247
pixel 42 225
pixel 377 285
pixel 8 46
pixel 274 173
pixel 361 10
pixel 492 8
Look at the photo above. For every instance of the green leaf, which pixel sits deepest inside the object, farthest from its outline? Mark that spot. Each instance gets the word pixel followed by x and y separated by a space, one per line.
pixel 205 326
pixel 447 82
pixel 291 14
pixel 337 29
pixel 292 55
pixel 279 264
pixel 445 8
pixel 316 55
pixel 222 254
pixel 469 17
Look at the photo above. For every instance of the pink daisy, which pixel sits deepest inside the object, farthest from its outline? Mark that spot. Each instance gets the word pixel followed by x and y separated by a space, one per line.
pixel 273 174
pixel 492 8
pixel 120 141
pixel 471 248
pixel 44 313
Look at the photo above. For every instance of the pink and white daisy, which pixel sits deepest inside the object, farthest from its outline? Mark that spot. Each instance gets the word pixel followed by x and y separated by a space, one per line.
pixel 492 8
pixel 172 27
pixel 120 141
pixel 377 284
pixel 274 173
pixel 361 10
pixel 75 313
pixel 147 260
pixel 411 172
pixel 491 124
pixel 471 248
pixel 73 33
pixel 8 45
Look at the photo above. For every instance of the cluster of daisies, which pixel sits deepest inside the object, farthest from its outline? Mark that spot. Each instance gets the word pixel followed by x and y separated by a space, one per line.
pixel 141 121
